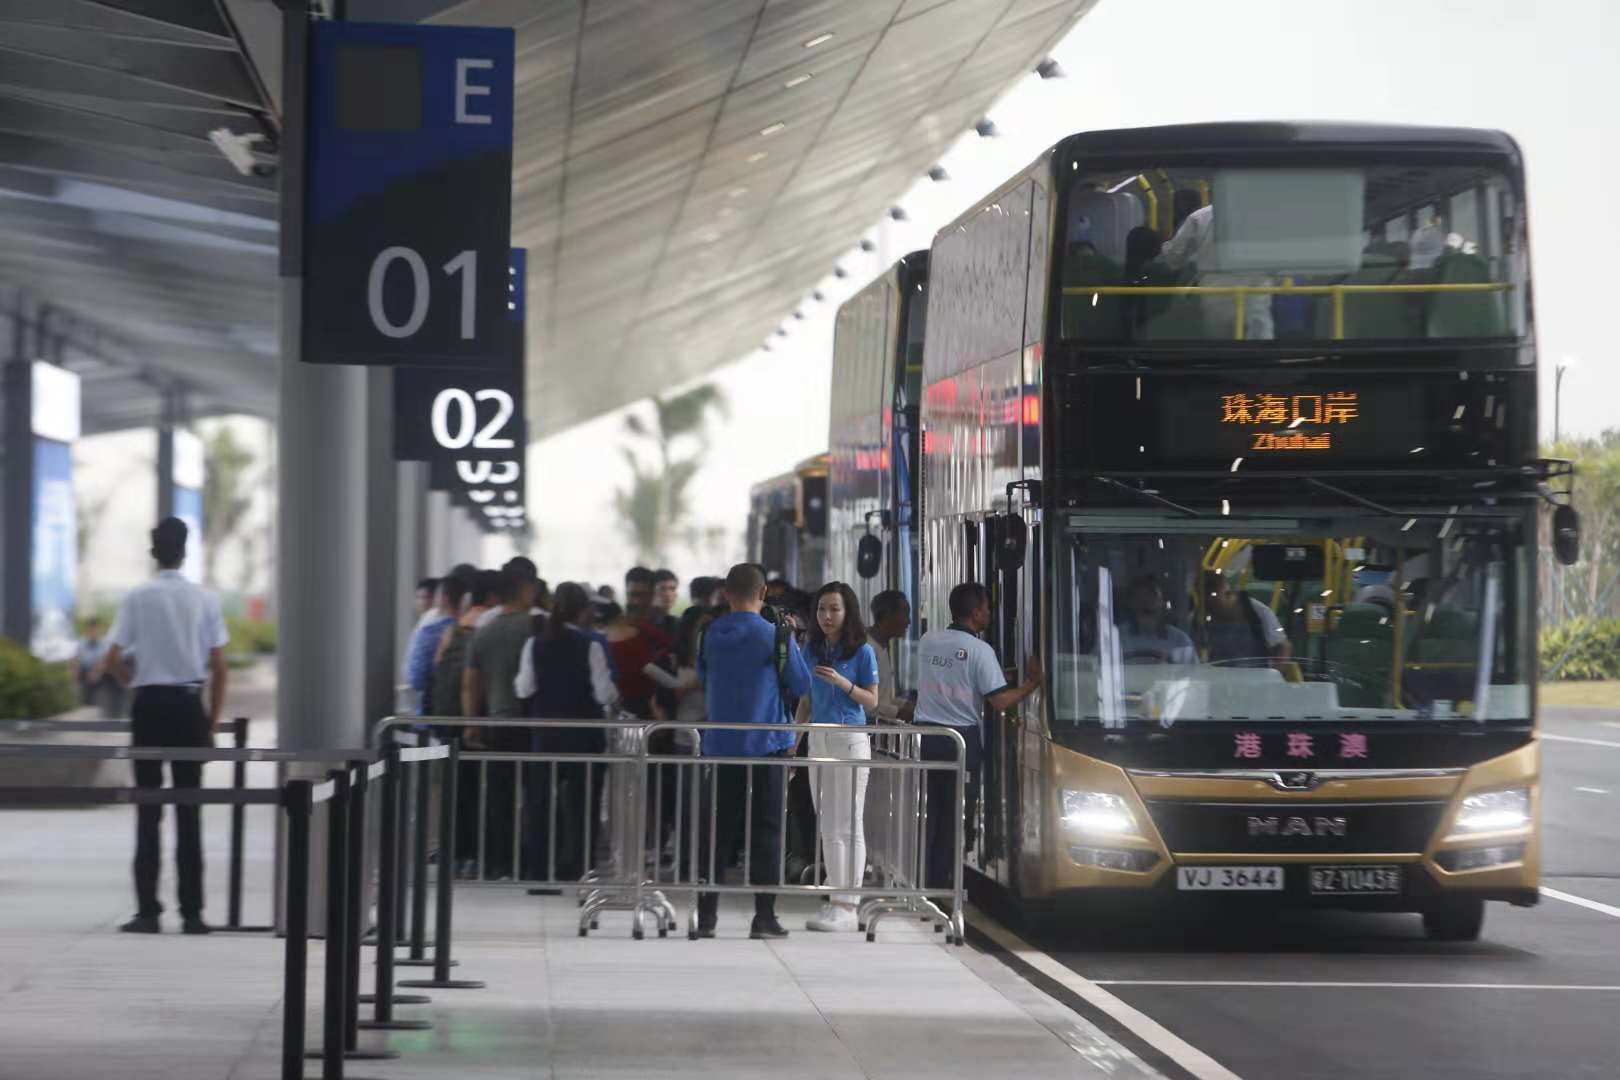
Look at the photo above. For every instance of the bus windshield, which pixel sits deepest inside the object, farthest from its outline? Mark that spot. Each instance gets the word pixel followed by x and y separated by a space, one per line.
pixel 1356 618
pixel 1280 254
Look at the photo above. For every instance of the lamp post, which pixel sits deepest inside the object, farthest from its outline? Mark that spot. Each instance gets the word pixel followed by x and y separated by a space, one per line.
pixel 1558 387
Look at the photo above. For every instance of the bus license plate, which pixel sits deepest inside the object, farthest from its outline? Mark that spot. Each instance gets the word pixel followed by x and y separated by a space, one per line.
pixel 1355 880
pixel 1229 878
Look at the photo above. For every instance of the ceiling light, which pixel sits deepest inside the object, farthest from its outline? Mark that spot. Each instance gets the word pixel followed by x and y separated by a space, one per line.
pixel 781 331
pixel 818 295
pixel 772 129
pixel 799 315
pixel 819 39
pixel 897 213
pixel 840 272
pixel 938 174
pixel 799 80
pixel 867 245
pixel 1050 69
pixel 986 129
pixel 757 156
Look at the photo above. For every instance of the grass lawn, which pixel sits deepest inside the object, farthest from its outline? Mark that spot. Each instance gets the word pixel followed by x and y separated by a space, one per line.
pixel 1605 693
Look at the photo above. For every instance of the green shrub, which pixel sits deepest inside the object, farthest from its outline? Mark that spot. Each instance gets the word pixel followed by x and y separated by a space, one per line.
pixel 1593 646
pixel 250 637
pixel 31 689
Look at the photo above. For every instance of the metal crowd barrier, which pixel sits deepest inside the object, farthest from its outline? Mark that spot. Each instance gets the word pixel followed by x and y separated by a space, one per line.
pixel 345 794
pixel 606 864
pixel 627 870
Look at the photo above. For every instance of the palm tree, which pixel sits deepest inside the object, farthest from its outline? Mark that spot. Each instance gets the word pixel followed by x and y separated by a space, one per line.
pixel 228 488
pixel 654 506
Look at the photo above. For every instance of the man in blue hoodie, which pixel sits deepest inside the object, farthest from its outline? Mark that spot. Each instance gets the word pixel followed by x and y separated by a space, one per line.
pixel 737 665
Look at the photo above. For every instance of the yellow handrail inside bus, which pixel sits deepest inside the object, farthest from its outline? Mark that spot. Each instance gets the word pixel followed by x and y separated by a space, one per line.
pixel 1239 293
pixel 1152 201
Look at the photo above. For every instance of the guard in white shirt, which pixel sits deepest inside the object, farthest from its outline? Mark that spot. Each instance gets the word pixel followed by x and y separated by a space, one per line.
pixel 957 676
pixel 175 635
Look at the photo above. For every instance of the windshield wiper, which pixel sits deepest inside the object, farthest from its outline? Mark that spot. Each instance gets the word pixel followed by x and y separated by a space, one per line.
pixel 1150 496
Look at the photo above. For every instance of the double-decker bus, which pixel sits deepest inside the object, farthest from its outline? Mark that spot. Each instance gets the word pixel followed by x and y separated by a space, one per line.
pixel 873 438
pixel 787 523
pixel 1237 422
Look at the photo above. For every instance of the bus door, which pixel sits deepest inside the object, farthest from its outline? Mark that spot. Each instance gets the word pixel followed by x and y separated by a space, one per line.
pixel 997 730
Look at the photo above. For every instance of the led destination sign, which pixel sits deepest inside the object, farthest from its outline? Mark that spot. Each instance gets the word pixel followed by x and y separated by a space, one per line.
pixel 1285 420
pixel 1290 411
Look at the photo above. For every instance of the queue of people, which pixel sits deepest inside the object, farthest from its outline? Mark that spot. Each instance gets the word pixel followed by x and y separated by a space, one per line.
pixel 743 650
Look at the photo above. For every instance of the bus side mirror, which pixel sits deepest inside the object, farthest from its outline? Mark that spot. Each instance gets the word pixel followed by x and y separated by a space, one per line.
pixel 1566 534
pixel 868 556
pixel 1014 540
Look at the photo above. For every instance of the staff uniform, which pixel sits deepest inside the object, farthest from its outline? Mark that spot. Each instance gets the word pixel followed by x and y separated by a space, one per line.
pixel 170 625
pixel 840 793
pixel 956 671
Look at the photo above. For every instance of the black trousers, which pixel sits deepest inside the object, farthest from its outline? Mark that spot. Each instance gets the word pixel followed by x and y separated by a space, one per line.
pixel 169 716
pixel 762 818
pixel 942 853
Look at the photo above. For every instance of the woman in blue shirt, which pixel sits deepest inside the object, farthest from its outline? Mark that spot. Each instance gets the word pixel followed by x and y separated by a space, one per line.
pixel 844 687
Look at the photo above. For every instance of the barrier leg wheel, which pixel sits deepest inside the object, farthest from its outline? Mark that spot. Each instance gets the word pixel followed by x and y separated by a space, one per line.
pixel 860 927
pixel 871 935
pixel 583 932
pixel 596 924
pixel 663 931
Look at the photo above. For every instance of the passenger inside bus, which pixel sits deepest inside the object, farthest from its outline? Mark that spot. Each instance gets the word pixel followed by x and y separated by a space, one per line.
pixel 1145 633
pixel 1239 630
pixel 1192 248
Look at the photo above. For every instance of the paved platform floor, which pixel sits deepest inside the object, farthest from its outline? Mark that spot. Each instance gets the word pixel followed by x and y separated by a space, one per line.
pixel 81 1002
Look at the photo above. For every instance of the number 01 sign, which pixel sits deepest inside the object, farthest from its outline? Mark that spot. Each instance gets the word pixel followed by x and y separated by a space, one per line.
pixel 408 200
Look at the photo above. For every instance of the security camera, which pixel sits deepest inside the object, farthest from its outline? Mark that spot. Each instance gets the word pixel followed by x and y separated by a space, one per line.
pixel 238 150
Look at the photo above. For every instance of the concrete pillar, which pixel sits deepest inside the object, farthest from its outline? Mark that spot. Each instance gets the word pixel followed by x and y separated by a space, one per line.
pixel 322 438
pixel 168 420
pixel 383 582
pixel 16 493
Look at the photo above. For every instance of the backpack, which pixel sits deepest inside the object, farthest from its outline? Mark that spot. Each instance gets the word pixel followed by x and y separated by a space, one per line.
pixel 447 674
pixel 780 651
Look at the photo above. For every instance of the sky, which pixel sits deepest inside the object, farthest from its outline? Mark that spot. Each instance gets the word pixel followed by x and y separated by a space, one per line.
pixel 1545 71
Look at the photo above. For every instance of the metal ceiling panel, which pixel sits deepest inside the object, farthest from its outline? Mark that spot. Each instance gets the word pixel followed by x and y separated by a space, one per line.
pixel 685 172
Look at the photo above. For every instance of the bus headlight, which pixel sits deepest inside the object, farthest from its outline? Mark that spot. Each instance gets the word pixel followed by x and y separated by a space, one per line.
pixel 1098 812
pixel 1494 811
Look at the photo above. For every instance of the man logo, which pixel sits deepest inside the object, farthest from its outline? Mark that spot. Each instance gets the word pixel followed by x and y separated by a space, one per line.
pixel 1293 825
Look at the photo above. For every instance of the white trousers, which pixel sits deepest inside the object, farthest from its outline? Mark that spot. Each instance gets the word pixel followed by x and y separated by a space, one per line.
pixel 840 799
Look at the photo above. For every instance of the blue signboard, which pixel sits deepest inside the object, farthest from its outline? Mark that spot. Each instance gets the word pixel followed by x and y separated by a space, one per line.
pixel 188 507
pixel 408 200
pixel 56 552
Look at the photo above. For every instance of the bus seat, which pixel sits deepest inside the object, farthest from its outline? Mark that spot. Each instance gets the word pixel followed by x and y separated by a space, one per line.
pixel 1452 636
pixel 1472 314
pixel 1363 645
pixel 1377 315
pixel 1092 316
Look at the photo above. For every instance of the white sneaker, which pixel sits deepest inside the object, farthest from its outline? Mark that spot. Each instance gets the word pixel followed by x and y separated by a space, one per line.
pixel 832 919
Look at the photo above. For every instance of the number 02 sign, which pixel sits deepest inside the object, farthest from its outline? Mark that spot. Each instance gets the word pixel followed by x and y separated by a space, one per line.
pixel 408 201
pixel 445 414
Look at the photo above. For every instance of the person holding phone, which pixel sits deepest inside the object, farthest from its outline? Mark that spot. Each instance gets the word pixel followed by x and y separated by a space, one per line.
pixel 844 686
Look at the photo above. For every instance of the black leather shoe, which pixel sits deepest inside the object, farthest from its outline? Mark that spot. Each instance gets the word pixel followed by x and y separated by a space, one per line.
pixel 766 930
pixel 195 926
pixel 705 931
pixel 142 924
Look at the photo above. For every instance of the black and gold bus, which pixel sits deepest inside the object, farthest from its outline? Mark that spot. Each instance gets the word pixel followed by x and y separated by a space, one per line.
pixel 1238 424
pixel 873 438
pixel 787 523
